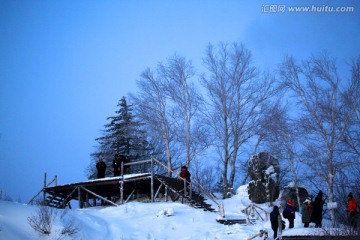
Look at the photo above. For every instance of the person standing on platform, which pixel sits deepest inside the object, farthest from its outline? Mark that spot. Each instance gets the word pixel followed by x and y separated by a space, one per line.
pixel 101 167
pixel 116 166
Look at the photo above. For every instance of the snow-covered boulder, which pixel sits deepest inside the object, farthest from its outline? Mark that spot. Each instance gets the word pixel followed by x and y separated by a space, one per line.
pixel 264 171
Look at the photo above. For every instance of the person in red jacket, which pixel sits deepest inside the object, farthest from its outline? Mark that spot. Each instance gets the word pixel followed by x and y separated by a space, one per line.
pixel 290 209
pixel 185 175
pixel 352 210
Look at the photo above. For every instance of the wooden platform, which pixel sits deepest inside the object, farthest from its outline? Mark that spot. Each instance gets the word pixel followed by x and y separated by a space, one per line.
pixel 117 190
pixel 236 221
pixel 319 237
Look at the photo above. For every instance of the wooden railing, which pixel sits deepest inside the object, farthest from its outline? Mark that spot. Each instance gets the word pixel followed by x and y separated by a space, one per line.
pixel 42 190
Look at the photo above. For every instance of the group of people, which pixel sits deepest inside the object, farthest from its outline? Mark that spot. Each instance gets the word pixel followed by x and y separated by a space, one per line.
pixel 311 212
pixel 116 166
pixel 121 159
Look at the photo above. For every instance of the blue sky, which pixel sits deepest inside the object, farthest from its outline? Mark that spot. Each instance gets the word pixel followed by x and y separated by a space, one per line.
pixel 65 64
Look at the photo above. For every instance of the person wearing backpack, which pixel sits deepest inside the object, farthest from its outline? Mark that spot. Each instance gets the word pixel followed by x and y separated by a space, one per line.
pixel 316 216
pixel 290 212
pixel 352 210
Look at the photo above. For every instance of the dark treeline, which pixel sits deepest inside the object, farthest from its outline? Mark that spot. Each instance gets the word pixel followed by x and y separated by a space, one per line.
pixel 305 113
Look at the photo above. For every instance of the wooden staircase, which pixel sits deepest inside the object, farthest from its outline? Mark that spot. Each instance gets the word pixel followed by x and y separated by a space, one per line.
pixel 177 190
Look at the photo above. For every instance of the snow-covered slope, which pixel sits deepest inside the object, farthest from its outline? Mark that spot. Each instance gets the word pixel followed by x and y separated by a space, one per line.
pixel 138 221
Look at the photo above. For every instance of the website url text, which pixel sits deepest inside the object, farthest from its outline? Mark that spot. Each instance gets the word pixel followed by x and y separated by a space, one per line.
pixel 278 8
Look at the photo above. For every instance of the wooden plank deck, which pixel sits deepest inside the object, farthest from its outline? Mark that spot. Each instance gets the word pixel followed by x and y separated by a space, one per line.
pixel 110 189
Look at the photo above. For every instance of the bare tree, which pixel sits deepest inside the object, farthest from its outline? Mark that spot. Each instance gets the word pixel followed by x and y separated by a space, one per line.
pixel 236 94
pixel 152 108
pixel 186 104
pixel 169 105
pixel 279 135
pixel 352 100
pixel 323 117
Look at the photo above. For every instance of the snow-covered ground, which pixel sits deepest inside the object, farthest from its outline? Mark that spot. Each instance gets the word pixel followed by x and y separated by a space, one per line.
pixel 139 221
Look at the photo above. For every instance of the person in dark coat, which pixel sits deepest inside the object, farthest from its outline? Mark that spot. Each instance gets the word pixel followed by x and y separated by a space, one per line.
pixel 316 216
pixel 275 219
pixel 351 209
pixel 306 212
pixel 101 167
pixel 116 165
pixel 185 174
pixel 290 209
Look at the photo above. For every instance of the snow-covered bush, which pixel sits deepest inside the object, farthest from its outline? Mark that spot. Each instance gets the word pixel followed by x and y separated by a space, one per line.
pixel 44 219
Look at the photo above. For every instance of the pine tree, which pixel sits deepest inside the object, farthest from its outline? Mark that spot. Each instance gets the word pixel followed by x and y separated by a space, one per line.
pixel 122 135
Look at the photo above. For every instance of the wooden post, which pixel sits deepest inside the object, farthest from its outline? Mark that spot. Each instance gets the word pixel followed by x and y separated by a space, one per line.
pixel 185 190
pixel 79 197
pixel 122 184
pixel 44 187
pixel 152 180
pixel 122 170
pixel 122 191
pixel 166 193
pixel 279 227
pixel 190 190
pixel 221 209
pixel 87 205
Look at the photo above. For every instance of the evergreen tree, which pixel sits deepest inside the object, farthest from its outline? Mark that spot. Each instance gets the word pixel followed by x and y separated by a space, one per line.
pixel 122 135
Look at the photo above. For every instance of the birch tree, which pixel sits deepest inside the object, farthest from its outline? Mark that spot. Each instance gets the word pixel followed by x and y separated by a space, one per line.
pixel 278 134
pixel 236 93
pixel 322 117
pixel 152 108
pixel 169 104
pixel 178 74
pixel 352 100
